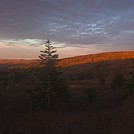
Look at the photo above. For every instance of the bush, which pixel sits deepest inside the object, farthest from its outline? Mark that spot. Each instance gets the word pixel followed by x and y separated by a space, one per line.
pixel 117 81
pixel 91 95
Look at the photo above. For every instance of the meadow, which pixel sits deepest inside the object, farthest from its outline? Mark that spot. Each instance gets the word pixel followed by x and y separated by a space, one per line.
pixel 95 106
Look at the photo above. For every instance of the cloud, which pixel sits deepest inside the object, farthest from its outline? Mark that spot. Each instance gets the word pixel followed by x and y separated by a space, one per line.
pixel 68 22
pixel 21 42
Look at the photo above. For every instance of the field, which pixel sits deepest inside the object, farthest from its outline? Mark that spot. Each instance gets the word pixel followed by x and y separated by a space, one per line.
pixel 95 108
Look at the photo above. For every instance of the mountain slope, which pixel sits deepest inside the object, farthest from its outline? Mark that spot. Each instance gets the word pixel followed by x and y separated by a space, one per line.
pixel 107 56
pixel 66 62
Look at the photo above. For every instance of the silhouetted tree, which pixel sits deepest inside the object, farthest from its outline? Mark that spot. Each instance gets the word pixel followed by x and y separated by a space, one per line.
pixel 4 78
pixel 117 81
pixel 130 83
pixel 91 95
pixel 102 80
pixel 127 92
pixel 51 90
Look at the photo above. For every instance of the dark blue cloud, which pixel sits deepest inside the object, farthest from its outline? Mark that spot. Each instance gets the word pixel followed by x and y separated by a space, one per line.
pixel 84 22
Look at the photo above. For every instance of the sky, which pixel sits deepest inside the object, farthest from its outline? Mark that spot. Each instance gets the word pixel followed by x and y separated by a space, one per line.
pixel 75 27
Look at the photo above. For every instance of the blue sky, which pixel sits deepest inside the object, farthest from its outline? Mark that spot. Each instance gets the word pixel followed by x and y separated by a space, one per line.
pixel 74 26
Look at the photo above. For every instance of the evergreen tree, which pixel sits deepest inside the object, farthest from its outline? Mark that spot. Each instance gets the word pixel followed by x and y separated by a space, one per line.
pixel 51 90
pixel 117 81
pixel 130 83
pixel 102 80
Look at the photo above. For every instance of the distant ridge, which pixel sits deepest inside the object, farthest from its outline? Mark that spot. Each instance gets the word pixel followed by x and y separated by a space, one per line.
pixel 105 56
pixel 77 60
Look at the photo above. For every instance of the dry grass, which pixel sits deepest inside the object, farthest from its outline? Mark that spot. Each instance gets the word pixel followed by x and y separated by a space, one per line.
pixel 103 115
pixel 117 121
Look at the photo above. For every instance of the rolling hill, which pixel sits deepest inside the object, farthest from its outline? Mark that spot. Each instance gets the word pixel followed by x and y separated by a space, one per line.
pixel 84 67
pixel 107 56
pixel 93 66
pixel 78 60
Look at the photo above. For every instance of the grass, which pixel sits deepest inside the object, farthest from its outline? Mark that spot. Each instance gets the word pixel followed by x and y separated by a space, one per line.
pixel 116 121
pixel 95 109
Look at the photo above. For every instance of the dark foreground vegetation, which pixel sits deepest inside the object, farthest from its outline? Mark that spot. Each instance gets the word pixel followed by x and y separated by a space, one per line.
pixel 91 98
